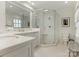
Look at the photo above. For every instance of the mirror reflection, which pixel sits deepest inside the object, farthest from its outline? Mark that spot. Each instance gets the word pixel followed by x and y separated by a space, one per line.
pixel 17 17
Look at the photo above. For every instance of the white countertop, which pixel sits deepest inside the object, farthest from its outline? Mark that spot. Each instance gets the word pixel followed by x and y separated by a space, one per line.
pixel 31 30
pixel 10 41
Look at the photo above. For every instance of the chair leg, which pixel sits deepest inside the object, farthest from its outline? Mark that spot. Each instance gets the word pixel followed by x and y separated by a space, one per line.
pixel 69 53
pixel 75 54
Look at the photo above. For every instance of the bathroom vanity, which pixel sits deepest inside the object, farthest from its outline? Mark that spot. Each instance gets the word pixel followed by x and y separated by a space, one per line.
pixel 22 39
pixel 16 46
pixel 19 43
pixel 31 32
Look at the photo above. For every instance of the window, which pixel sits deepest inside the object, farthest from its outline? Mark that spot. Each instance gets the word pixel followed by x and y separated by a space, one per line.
pixel 17 22
pixel 77 29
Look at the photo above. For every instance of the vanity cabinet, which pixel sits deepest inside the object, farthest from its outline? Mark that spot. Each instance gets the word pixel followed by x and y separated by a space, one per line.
pixel 16 46
pixel 25 50
pixel 19 52
pixel 36 42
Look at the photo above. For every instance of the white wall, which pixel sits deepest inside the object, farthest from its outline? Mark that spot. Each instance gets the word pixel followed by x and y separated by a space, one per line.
pixel 37 20
pixel 77 19
pixel 65 31
pixel 2 16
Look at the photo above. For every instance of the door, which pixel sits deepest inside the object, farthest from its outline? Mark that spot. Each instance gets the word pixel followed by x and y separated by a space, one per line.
pixel 49 27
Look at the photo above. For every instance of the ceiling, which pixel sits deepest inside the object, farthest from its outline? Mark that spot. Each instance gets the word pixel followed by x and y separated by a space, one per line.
pixel 53 4
pixel 12 8
pixel 39 5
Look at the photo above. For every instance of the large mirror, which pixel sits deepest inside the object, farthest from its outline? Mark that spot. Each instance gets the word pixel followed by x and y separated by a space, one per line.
pixel 17 17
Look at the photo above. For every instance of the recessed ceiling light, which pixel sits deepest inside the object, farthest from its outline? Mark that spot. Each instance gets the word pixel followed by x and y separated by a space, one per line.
pixel 28 1
pixel 66 2
pixel 10 6
pixel 32 3
pixel 45 10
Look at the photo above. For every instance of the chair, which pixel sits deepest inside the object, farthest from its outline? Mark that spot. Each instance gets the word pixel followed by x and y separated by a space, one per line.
pixel 73 48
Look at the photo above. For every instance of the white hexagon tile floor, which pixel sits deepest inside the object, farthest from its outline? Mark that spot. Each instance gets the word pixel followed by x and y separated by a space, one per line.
pixel 59 50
